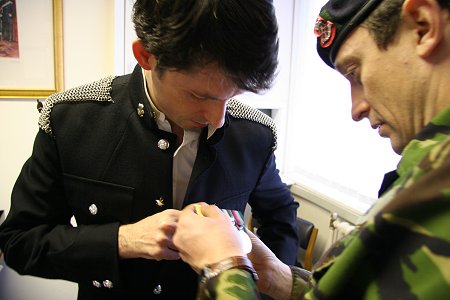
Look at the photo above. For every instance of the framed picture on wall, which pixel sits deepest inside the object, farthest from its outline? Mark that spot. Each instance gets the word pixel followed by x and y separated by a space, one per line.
pixel 31 48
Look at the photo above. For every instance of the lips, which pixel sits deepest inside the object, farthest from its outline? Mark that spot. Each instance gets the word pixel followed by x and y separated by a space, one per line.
pixel 376 126
pixel 200 124
pixel 379 127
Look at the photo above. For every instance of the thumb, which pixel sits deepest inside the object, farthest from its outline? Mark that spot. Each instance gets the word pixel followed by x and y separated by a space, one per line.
pixel 211 211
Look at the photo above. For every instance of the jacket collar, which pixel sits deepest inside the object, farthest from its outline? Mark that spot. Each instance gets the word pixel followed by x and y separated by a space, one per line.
pixel 431 135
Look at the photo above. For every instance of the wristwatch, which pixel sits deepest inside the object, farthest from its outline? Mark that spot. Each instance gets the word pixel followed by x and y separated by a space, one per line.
pixel 234 262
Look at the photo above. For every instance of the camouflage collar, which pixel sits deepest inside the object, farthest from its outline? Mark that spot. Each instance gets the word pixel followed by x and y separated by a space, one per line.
pixel 431 135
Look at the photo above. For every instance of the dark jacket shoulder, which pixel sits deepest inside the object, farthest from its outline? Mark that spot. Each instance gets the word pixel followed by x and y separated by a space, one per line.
pixel 237 109
pixel 99 90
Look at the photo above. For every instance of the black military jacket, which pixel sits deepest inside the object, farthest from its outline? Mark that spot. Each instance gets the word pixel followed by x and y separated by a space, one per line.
pixel 96 157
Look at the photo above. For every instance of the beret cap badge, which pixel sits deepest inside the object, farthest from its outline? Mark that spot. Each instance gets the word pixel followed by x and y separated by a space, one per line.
pixel 336 20
pixel 325 31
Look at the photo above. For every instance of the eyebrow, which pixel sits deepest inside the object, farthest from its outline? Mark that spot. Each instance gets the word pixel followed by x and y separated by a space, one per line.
pixel 340 65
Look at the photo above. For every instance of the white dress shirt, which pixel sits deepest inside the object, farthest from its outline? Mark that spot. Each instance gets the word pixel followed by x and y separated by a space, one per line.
pixel 184 156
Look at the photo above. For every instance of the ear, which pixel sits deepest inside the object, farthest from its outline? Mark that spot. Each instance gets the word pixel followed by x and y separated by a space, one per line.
pixel 427 21
pixel 145 59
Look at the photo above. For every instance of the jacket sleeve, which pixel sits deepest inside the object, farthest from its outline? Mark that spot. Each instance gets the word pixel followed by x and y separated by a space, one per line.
pixel 232 284
pixel 238 284
pixel 275 209
pixel 37 236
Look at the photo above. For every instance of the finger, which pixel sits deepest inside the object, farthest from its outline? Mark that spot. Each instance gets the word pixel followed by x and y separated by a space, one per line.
pixel 169 228
pixel 257 244
pixel 170 244
pixel 170 254
pixel 251 235
pixel 173 214
pixel 191 207
pixel 255 239
pixel 211 211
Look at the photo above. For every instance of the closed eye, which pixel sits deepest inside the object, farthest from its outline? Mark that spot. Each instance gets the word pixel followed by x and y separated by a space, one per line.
pixel 198 96
pixel 352 75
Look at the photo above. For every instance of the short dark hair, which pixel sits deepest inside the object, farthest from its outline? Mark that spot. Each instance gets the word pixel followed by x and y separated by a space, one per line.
pixel 241 36
pixel 384 21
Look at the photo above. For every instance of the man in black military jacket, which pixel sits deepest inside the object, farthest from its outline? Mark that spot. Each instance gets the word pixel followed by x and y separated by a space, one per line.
pixel 122 155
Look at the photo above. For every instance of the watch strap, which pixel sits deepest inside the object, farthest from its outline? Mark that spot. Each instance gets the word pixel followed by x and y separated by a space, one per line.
pixel 234 262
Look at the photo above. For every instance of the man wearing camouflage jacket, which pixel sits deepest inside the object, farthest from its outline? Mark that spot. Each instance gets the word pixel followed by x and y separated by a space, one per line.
pixel 396 56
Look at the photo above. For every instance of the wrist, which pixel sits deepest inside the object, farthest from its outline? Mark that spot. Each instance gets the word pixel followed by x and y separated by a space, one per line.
pixel 280 285
pixel 123 241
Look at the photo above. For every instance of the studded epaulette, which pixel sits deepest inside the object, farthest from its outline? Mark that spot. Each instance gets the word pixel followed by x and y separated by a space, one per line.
pixel 241 110
pixel 96 91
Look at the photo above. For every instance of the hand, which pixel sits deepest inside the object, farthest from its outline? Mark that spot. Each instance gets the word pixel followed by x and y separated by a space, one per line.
pixel 206 239
pixel 275 277
pixel 150 238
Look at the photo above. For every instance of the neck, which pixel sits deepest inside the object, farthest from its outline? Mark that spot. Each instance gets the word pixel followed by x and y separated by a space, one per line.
pixel 178 131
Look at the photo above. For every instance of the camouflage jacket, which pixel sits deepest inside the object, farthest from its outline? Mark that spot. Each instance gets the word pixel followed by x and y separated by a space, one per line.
pixel 401 252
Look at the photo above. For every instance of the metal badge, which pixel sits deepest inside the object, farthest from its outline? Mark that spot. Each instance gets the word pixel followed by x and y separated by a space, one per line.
pixel 140 110
pixel 163 144
pixel 93 209
pixel 157 290
pixel 160 201
pixel 325 31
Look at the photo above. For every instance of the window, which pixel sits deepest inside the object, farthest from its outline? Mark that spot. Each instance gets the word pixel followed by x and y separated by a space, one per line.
pixel 325 149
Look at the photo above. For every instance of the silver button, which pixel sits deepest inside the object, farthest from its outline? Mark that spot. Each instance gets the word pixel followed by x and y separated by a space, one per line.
pixel 163 144
pixel 157 290
pixel 108 284
pixel 96 284
pixel 93 209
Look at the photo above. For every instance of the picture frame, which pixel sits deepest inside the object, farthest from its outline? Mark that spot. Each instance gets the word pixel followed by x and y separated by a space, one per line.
pixel 36 70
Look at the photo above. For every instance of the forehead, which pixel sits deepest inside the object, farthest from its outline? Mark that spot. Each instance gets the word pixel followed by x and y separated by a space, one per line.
pixel 357 44
pixel 209 81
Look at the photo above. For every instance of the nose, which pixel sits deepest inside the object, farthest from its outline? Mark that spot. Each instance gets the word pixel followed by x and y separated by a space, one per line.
pixel 215 113
pixel 360 107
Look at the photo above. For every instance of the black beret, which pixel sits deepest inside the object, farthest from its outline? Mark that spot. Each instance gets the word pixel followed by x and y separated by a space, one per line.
pixel 336 20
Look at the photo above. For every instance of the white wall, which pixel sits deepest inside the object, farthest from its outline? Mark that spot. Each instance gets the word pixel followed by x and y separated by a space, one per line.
pixel 321 219
pixel 88 55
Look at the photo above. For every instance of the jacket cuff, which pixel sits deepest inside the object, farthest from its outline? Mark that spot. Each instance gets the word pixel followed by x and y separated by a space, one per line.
pixel 301 282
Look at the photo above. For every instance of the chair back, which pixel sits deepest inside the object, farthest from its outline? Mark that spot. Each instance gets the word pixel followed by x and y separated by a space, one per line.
pixel 307 234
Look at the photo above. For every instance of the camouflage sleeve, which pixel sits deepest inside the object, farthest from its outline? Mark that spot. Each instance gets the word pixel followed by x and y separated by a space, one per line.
pixel 231 284
pixel 238 284
pixel 301 282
